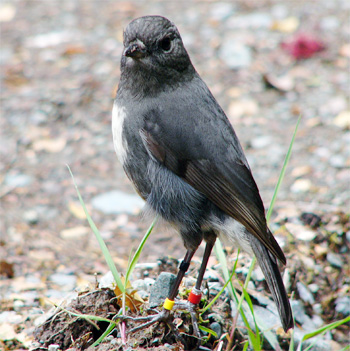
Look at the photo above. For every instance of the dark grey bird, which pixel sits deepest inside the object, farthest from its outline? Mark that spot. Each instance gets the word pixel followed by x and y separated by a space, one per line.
pixel 184 159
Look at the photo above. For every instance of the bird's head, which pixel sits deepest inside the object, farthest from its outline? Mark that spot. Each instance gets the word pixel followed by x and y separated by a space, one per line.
pixel 154 51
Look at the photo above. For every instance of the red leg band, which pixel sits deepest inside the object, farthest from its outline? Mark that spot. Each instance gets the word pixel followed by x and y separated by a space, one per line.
pixel 195 296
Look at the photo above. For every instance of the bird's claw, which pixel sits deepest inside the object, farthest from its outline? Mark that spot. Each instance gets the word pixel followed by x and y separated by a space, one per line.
pixel 166 317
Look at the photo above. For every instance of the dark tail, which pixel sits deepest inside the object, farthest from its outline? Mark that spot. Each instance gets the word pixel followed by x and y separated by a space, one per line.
pixel 269 267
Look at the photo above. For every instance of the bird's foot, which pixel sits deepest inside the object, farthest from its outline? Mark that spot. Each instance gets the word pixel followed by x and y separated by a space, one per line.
pixel 165 316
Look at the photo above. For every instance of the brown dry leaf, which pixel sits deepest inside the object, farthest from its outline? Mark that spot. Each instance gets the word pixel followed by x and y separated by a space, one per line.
pixel 132 298
pixel 74 50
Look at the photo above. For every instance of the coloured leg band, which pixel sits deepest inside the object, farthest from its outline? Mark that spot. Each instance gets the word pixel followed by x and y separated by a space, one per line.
pixel 184 266
pixel 168 304
pixel 195 296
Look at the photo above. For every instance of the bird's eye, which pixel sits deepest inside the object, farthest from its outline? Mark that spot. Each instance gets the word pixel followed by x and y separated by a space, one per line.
pixel 165 44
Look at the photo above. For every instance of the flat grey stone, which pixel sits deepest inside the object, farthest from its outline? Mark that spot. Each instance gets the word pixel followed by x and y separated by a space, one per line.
pixel 161 289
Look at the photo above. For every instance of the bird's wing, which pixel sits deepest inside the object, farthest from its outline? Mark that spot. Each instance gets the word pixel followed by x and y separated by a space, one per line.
pixel 224 178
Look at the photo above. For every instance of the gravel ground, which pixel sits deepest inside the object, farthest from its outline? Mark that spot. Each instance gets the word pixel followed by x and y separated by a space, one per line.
pixel 59 74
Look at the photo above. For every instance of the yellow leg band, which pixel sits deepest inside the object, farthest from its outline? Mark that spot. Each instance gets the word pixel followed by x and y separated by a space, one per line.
pixel 168 304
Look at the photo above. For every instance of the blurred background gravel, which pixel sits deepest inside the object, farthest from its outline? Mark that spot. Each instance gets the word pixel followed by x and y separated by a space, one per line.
pixel 59 64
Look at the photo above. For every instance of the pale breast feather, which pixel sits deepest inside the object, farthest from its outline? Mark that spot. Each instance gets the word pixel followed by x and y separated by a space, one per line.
pixel 120 146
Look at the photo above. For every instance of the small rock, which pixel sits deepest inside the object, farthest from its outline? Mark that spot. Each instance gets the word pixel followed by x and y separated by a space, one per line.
pixel 335 260
pixel 31 217
pixel 286 25
pixel 139 284
pixel 75 232
pixel 301 186
pixel 18 180
pixel 313 288
pixel 64 280
pixel 343 120
pixel 337 161
pixel 53 347
pixel 300 232
pixel 342 305
pixel 115 202
pixel 305 294
pixel 107 281
pixel 221 11
pixel 261 142
pixel 161 289
pixel 49 145
pixel 235 54
pixel 216 327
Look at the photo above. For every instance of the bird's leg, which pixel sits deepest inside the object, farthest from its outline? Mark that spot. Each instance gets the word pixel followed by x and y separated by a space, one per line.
pixel 195 295
pixel 164 315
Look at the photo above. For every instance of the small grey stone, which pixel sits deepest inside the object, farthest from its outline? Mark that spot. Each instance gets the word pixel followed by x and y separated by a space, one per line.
pixel 115 202
pixel 139 284
pixel 64 280
pixel 216 327
pixel 313 287
pixel 31 216
pixel 261 142
pixel 143 294
pixel 18 180
pixel 161 289
pixel 235 54
pixel 53 347
pixel 347 235
pixel 317 344
pixel 335 260
pixel 342 305
pixel 337 161
pixel 305 293
pixel 149 283
pixel 317 308
pixel 299 312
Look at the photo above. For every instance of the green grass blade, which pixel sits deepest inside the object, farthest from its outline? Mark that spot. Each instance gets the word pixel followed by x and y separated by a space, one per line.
pixel 283 171
pixel 326 328
pixel 105 334
pixel 99 238
pixel 211 303
pixel 137 254
pixel 207 330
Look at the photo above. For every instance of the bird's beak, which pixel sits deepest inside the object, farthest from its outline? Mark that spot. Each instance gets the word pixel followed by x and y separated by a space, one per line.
pixel 136 49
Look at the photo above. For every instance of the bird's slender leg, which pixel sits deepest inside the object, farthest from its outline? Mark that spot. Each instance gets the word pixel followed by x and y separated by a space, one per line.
pixel 164 315
pixel 196 293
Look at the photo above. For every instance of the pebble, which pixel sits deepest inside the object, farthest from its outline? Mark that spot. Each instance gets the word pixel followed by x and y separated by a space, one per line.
pixel 216 327
pixel 305 293
pixel 301 186
pixel 115 202
pixel 261 142
pixel 68 281
pixel 220 11
pixel 342 305
pixel 342 120
pixel 31 217
pixel 300 232
pixel 161 288
pixel 235 54
pixel 337 161
pixel 335 259
pixel 18 180
pixel 75 232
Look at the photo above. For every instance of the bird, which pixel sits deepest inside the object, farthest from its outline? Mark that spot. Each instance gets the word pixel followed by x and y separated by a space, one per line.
pixel 183 157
